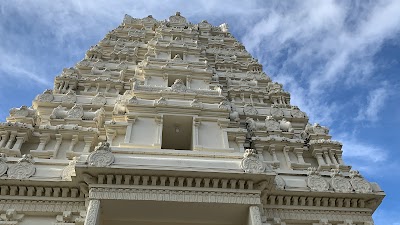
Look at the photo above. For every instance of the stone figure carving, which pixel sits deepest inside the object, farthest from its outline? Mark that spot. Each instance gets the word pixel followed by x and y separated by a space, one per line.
pixel 271 124
pixel 279 182
pixel 276 112
pixel 3 164
pixel 224 27
pixel 315 182
pixel 360 185
pixel 75 112
pixel 250 110
pixel 177 18
pixel 11 217
pixel 178 86
pixel 224 104
pixel 340 183
pixel 285 126
pixel 23 169
pixel 23 111
pixel 99 99
pixel 70 97
pixel 69 170
pixel 297 113
pixel 133 100
pixel 251 163
pixel 101 156
pixel 233 113
pixel 46 96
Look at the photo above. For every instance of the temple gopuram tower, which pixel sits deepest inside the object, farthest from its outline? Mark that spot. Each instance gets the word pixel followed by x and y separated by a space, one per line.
pixel 170 122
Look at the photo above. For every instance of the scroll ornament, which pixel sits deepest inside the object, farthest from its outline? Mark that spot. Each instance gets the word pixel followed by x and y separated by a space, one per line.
pixel 101 156
pixel 251 163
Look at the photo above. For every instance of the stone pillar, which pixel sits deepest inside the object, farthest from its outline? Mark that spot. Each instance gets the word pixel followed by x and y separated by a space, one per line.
pixel 339 157
pixel 93 213
pixel 11 139
pixel 21 138
pixel 88 143
pixel 327 158
pixel 299 154
pixel 196 124
pixel 254 216
pixel 188 81
pixel 332 155
pixel 159 122
pixel 318 155
pixel 111 134
pixel 240 141
pixel 74 140
pixel 58 144
pixel 273 153
pixel 4 138
pixel 44 139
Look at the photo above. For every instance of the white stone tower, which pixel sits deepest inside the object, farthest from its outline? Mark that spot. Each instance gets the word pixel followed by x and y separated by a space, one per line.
pixel 169 122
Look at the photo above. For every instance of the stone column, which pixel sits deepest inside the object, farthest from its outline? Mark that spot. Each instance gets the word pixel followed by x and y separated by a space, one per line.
pixel 44 139
pixel 318 155
pixel 4 138
pixel 159 122
pixel 196 124
pixel 11 139
pixel 332 155
pixel 254 216
pixel 240 141
pixel 21 138
pixel 111 134
pixel 74 140
pixel 273 153
pixel 299 154
pixel 88 143
pixel 57 146
pixel 93 213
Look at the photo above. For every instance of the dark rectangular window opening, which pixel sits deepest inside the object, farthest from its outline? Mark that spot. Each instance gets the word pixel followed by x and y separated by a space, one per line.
pixel 177 132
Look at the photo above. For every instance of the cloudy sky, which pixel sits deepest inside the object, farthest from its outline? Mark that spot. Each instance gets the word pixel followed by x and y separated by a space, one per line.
pixel 338 59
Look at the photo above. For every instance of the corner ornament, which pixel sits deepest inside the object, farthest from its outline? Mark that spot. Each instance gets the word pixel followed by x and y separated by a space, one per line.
pixel 360 185
pixel 23 169
pixel 251 163
pixel 101 156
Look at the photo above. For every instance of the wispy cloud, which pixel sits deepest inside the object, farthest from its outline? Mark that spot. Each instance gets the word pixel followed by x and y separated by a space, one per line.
pixel 375 102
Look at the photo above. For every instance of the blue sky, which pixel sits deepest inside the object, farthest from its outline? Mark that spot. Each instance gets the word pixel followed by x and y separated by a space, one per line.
pixel 338 59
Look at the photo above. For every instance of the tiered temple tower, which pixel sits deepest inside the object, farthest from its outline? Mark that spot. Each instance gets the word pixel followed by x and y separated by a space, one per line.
pixel 169 122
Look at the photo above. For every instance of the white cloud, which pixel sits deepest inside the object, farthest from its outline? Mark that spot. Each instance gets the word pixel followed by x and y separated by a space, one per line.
pixel 375 103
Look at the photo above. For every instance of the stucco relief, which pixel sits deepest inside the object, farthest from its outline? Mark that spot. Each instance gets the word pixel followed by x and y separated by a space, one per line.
pixel 340 183
pixel 251 163
pixel 360 185
pixel 99 99
pixel 70 97
pixel 315 182
pixel 101 156
pixel 46 96
pixel 23 169
pixel 250 110
pixel 279 182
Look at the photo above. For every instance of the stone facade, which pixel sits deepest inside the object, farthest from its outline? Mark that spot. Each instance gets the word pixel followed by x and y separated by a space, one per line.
pixel 169 122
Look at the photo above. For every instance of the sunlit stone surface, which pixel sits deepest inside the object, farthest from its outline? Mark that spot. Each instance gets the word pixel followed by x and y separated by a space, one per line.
pixel 169 122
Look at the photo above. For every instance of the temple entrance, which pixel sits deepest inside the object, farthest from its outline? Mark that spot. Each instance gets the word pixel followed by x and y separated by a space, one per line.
pixel 125 212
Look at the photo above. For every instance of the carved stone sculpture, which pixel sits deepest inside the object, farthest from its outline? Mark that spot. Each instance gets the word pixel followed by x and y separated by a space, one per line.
pixel 101 156
pixel 340 183
pixel 360 185
pixel 315 182
pixel 251 163
pixel 99 99
pixel 23 169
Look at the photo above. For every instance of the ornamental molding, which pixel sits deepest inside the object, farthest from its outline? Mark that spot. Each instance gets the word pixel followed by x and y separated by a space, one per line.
pixel 315 181
pixel 251 163
pixel 316 215
pixel 174 195
pixel 11 217
pixel 24 206
pixel 279 182
pixel 339 183
pixel 23 169
pixel 101 156
pixel 359 184
pixel 249 110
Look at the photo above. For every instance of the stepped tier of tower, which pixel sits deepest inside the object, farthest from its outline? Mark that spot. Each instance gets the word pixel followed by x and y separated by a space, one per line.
pixel 178 96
